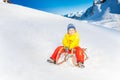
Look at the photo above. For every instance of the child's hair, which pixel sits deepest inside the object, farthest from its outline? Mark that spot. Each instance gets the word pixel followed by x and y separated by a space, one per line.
pixel 71 26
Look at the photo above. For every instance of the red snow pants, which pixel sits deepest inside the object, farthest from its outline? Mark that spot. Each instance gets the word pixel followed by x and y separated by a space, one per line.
pixel 79 53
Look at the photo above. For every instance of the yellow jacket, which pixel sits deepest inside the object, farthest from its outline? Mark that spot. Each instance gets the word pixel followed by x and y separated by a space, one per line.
pixel 71 41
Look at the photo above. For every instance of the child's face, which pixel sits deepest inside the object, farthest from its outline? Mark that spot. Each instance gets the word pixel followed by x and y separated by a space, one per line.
pixel 71 31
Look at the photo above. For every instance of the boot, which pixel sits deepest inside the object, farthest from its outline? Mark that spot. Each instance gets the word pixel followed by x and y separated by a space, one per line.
pixel 51 61
pixel 81 65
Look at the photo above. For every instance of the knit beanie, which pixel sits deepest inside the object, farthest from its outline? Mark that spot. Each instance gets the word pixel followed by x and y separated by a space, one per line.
pixel 71 26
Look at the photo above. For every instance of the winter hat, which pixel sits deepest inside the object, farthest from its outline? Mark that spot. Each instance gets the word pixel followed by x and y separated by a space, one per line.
pixel 71 26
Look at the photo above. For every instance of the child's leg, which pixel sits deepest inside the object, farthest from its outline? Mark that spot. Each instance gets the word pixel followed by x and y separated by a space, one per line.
pixel 79 55
pixel 57 52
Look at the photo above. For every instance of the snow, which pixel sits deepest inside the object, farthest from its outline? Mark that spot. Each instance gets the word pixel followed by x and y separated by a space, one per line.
pixel 1 1
pixel 98 10
pixel 105 14
pixel 74 15
pixel 109 20
pixel 119 1
pixel 99 7
pixel 28 37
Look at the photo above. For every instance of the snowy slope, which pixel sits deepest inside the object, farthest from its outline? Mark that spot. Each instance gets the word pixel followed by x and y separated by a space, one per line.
pixel 28 37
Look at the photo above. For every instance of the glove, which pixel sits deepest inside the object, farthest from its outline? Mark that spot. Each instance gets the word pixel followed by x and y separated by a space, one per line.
pixel 66 49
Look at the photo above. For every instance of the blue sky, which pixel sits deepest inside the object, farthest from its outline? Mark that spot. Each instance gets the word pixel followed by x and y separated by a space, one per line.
pixel 56 6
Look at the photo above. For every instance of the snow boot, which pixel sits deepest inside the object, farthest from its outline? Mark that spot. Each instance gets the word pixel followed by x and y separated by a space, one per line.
pixel 51 61
pixel 81 65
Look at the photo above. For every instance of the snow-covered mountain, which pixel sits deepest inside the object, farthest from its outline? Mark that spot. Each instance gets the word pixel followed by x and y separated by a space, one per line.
pixel 105 13
pixel 28 37
pixel 99 9
pixel 76 15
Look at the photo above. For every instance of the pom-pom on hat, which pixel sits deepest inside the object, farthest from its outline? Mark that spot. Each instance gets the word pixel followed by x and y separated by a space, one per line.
pixel 71 26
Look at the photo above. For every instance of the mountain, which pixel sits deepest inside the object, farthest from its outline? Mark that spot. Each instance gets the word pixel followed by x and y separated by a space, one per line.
pixel 76 15
pixel 100 7
pixel 28 37
pixel 105 13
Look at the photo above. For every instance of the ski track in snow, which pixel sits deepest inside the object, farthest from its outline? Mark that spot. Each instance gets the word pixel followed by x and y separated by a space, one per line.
pixel 28 37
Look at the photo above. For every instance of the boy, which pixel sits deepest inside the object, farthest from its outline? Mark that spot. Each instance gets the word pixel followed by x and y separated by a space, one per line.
pixel 70 42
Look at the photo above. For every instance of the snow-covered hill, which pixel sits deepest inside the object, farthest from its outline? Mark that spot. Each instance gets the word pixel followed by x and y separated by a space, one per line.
pixel 28 37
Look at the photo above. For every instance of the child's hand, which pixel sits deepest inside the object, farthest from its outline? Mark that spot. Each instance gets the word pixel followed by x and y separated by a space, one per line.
pixel 66 49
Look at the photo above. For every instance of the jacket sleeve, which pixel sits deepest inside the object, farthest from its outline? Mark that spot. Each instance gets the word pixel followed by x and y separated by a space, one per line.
pixel 64 41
